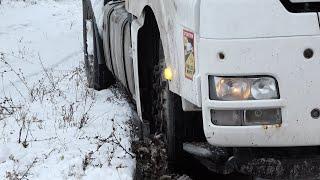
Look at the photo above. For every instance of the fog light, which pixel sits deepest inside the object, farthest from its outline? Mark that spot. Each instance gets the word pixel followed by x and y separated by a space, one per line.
pixel 226 117
pixel 262 117
pixel 168 74
pixel 246 117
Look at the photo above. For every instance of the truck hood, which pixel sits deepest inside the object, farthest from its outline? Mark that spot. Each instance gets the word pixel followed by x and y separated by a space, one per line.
pixel 230 19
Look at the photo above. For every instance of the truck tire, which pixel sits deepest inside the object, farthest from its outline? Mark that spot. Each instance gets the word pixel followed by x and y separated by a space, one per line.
pixel 98 76
pixel 167 115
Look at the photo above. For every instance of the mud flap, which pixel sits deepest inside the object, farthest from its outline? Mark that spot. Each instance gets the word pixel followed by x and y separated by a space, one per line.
pixel 135 26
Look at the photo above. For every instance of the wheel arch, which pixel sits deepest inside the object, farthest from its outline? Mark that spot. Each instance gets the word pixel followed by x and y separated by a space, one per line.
pixel 151 29
pixel 148 53
pixel 150 13
pixel 150 20
pixel 162 13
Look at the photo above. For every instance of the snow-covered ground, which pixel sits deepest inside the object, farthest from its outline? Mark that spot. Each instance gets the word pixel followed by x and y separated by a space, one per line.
pixel 51 125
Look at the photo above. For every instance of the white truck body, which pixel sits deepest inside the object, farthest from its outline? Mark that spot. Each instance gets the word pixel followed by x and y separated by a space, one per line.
pixel 258 38
pixel 219 55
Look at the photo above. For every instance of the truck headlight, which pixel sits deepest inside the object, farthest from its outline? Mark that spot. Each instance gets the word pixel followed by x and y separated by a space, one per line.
pixel 246 88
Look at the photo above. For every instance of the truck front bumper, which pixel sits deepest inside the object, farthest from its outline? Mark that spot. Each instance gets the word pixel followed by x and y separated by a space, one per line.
pixel 299 87
pixel 272 163
pixel 278 163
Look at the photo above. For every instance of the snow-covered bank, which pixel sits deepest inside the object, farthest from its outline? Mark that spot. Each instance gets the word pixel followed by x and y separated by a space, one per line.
pixel 51 125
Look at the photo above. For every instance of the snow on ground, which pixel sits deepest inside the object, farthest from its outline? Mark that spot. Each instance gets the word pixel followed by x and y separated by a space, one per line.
pixel 51 125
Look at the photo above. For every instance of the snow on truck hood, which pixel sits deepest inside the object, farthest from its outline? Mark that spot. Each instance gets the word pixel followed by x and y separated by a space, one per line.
pixel 253 19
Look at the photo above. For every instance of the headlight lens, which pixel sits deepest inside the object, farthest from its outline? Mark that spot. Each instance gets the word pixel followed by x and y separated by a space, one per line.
pixel 232 88
pixel 264 88
pixel 237 89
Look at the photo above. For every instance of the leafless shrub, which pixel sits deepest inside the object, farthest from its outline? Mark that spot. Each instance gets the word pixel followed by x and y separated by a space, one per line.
pixel 48 75
pixel 32 2
pixel 17 72
pixel 47 87
pixel 25 123
pixel 87 160
pixel 113 142
pixel 13 175
pixel 68 113
pixel 50 90
pixel 25 174
pixel 117 142
pixel 7 107
pixel 84 119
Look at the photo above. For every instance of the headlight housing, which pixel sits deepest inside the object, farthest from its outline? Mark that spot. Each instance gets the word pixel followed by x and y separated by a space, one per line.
pixel 243 88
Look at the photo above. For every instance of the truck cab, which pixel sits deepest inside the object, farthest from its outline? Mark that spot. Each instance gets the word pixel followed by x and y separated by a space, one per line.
pixel 240 75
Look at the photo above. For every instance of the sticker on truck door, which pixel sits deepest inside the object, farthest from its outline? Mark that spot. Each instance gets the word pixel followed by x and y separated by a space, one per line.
pixel 189 58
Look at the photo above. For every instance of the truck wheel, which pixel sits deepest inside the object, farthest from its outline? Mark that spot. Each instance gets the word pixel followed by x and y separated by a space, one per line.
pixel 98 76
pixel 167 115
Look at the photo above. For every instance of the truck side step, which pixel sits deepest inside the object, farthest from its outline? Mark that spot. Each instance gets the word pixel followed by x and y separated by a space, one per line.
pixel 216 159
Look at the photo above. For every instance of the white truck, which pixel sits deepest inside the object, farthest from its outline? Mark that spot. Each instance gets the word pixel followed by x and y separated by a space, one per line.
pixel 234 82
